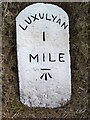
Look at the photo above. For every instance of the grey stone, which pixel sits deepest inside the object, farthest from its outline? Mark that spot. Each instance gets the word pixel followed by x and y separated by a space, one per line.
pixel 43 56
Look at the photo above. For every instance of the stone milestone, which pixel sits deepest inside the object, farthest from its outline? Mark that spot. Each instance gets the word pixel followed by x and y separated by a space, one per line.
pixel 43 56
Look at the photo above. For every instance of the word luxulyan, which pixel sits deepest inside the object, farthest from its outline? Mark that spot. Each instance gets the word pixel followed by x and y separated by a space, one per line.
pixel 45 16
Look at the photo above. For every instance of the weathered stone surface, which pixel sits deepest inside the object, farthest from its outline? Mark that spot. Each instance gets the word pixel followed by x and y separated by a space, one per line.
pixel 77 107
pixel 43 56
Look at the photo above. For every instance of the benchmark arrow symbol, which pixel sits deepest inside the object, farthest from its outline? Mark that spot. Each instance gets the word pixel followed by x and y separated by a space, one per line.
pixel 45 75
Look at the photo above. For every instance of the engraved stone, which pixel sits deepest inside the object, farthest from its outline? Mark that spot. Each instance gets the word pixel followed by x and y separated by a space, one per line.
pixel 43 56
